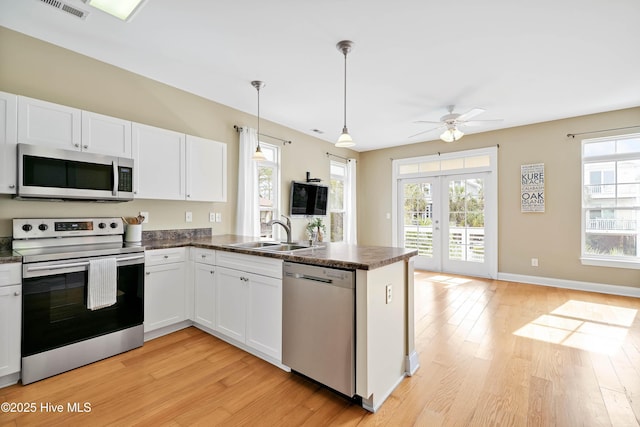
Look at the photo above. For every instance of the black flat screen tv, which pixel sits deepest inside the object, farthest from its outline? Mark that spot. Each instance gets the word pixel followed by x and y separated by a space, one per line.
pixel 308 199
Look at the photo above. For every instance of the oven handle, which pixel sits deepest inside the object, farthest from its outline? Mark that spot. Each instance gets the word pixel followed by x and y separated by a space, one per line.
pixel 75 264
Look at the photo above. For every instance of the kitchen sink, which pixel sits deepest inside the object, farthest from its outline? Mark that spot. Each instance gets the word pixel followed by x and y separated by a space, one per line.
pixel 255 245
pixel 286 247
pixel 270 246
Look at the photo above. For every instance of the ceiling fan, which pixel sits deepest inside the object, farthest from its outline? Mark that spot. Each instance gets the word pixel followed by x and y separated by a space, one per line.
pixel 450 122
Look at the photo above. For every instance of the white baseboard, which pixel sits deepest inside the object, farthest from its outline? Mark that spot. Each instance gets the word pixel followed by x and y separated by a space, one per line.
pixel 411 363
pixel 602 288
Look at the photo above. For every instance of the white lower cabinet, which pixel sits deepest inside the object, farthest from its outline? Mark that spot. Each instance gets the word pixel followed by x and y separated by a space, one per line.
pixel 249 305
pixel 165 299
pixel 204 279
pixel 10 322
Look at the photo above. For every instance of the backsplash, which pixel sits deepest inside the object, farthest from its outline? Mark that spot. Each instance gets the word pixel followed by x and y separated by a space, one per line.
pixel 188 233
pixel 5 243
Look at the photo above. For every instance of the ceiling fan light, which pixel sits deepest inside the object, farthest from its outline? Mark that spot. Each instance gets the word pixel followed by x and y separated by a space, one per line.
pixel 451 135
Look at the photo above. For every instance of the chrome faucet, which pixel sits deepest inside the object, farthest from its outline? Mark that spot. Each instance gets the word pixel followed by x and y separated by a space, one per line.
pixel 287 226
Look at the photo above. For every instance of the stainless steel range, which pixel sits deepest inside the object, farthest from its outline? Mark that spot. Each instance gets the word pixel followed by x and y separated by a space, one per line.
pixel 83 293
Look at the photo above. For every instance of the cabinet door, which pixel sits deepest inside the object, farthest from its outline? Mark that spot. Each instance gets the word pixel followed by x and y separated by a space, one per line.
pixel 159 169
pixel 8 141
pixel 48 124
pixel 10 321
pixel 264 315
pixel 106 135
pixel 165 298
pixel 204 295
pixel 230 303
pixel 206 170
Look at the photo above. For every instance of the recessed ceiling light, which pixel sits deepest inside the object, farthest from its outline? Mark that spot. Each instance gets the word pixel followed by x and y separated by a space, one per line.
pixel 122 9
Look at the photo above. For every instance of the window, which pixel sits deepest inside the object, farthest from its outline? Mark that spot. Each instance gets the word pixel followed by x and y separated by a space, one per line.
pixel 269 188
pixel 337 203
pixel 611 201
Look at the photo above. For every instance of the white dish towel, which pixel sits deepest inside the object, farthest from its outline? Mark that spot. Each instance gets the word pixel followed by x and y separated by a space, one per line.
pixel 102 286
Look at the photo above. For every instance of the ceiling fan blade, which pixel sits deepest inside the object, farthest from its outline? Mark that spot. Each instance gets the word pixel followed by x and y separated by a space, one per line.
pixel 426 131
pixel 427 121
pixel 478 122
pixel 469 114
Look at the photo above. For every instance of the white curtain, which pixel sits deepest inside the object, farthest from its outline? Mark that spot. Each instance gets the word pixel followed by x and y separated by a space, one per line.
pixel 248 214
pixel 351 225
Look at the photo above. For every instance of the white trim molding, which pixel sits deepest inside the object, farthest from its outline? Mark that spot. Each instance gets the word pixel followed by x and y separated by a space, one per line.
pixel 602 288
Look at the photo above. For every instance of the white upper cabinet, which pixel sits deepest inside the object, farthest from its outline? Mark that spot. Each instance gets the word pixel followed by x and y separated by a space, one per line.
pixel 159 171
pixel 106 135
pixel 206 170
pixel 8 141
pixel 48 124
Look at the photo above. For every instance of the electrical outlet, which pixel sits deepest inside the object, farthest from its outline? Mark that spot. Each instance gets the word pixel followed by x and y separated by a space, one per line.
pixel 388 292
pixel 146 217
pixel 534 262
pixel 188 216
pixel 212 217
pixel 218 217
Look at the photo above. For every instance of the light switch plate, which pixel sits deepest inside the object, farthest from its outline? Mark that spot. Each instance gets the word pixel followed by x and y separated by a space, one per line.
pixel 188 216
pixel 218 217
pixel 389 295
pixel 212 217
pixel 146 217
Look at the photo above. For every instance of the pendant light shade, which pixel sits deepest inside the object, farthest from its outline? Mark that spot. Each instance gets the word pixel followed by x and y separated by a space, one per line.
pixel 345 139
pixel 451 134
pixel 258 155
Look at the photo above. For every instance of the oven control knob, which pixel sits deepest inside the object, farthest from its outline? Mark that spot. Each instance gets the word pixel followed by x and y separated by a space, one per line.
pixel 43 227
pixel 102 225
pixel 27 227
pixel 114 225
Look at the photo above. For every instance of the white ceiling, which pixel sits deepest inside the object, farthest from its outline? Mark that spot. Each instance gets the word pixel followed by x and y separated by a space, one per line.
pixel 524 62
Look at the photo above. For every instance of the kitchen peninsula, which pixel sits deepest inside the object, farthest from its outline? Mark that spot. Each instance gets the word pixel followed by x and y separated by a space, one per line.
pixel 385 351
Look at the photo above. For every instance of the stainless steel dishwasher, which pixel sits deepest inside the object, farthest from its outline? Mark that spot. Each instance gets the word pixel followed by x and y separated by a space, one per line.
pixel 318 324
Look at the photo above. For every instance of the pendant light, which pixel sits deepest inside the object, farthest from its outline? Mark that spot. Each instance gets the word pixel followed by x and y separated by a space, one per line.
pixel 345 139
pixel 258 155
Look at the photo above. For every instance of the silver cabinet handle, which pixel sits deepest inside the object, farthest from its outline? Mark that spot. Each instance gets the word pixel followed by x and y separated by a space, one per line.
pixel 12 186
pixel 211 272
pixel 77 145
pixel 148 273
pixel 166 256
pixel 85 146
pixel 17 293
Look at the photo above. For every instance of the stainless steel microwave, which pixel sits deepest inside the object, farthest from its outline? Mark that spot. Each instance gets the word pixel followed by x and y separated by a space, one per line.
pixel 52 173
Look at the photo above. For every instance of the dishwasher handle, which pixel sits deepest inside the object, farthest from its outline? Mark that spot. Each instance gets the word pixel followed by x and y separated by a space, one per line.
pixel 307 277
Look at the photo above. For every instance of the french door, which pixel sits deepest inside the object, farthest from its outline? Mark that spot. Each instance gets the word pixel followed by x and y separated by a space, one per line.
pixel 451 220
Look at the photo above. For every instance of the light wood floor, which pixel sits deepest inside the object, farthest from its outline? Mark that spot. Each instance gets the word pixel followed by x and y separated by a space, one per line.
pixel 491 353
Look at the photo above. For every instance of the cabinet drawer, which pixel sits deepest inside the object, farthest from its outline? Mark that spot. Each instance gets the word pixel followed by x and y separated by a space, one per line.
pixel 250 263
pixel 164 256
pixel 10 274
pixel 204 256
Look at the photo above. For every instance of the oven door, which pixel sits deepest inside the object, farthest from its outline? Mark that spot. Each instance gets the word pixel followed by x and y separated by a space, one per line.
pixel 54 303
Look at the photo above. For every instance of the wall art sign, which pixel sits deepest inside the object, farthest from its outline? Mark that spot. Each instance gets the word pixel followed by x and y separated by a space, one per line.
pixel 532 188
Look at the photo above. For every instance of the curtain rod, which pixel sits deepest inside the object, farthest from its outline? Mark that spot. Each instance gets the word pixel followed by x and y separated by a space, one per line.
pixel 339 157
pixel 573 135
pixel 284 141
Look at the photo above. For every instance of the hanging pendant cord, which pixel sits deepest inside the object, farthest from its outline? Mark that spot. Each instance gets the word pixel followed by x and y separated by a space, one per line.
pixel 345 87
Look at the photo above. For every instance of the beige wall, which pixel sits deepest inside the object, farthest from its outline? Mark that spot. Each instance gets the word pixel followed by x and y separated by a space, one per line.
pixel 37 69
pixel 40 70
pixel 553 236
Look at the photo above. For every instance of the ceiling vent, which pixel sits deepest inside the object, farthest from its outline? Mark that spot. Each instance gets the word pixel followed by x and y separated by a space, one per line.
pixel 66 7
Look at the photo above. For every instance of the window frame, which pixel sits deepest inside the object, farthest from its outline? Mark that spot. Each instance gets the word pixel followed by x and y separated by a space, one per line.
pixel 276 183
pixel 603 260
pixel 343 178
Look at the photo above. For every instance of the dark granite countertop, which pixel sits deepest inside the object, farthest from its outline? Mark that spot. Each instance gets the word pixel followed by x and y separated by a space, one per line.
pixel 7 256
pixel 337 255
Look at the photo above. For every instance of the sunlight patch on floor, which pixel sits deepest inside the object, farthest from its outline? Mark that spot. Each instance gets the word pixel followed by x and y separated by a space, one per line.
pixel 583 325
pixel 449 280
